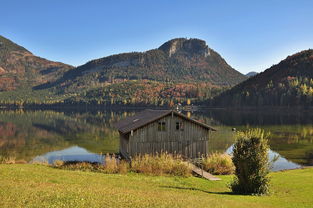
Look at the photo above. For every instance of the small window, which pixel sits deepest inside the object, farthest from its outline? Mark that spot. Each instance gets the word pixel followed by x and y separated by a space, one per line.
pixel 161 126
pixel 179 126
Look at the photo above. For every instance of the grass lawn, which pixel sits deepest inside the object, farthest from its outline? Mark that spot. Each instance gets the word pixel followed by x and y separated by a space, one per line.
pixel 42 186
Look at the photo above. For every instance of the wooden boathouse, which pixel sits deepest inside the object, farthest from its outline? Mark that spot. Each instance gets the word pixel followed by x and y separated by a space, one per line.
pixel 152 131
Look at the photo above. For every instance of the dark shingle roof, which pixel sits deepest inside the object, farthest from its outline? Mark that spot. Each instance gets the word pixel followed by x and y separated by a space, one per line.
pixel 148 116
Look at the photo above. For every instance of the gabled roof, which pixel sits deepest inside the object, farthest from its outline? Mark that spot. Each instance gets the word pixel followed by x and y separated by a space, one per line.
pixel 148 116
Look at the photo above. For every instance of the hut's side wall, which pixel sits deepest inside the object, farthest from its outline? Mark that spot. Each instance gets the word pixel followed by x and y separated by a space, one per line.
pixel 124 145
pixel 191 142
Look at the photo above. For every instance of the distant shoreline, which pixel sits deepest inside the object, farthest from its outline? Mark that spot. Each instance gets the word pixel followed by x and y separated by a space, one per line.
pixel 141 107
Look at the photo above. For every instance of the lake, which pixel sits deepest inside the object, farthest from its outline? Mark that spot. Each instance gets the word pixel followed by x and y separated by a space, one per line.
pixel 45 136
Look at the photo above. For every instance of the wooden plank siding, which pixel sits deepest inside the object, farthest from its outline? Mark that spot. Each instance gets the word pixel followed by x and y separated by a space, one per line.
pixel 190 142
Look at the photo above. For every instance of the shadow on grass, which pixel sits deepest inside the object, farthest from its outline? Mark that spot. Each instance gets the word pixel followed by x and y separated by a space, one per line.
pixel 196 189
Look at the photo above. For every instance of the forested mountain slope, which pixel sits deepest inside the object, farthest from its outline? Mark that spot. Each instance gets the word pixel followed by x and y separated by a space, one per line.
pixel 289 83
pixel 19 68
pixel 178 70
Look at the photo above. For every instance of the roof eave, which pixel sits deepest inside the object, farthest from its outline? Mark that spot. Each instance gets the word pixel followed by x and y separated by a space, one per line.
pixel 145 124
pixel 164 115
pixel 195 121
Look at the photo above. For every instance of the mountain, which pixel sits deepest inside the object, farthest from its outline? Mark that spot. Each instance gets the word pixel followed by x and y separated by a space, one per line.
pixel 19 68
pixel 289 83
pixel 251 74
pixel 178 60
pixel 180 68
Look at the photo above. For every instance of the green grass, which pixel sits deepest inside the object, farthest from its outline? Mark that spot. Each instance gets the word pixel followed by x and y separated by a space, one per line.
pixel 43 186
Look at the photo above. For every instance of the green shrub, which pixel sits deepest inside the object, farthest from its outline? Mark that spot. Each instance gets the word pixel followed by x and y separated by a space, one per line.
pixel 160 164
pixel 250 157
pixel 218 164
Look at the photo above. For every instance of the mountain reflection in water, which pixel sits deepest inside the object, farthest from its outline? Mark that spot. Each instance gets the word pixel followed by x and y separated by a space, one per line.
pixel 70 154
pixel 279 162
pixel 25 135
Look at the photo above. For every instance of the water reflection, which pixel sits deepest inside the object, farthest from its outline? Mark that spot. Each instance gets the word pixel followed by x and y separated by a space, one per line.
pixel 74 153
pixel 26 135
pixel 291 131
pixel 278 162
pixel 271 117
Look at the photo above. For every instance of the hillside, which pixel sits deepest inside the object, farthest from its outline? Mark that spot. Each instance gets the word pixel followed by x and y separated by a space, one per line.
pixel 289 83
pixel 179 69
pixel 178 60
pixel 19 68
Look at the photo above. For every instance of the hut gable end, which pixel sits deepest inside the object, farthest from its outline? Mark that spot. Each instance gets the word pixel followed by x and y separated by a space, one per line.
pixel 149 116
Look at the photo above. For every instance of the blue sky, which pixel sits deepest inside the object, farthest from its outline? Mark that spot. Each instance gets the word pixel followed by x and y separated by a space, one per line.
pixel 250 35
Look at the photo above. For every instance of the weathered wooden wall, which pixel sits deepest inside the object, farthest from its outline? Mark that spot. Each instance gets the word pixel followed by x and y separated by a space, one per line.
pixel 124 145
pixel 191 142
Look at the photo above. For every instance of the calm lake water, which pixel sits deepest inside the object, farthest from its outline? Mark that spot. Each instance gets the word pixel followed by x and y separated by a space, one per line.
pixel 87 136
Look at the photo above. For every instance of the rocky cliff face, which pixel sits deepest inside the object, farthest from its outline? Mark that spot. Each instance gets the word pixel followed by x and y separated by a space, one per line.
pixel 184 46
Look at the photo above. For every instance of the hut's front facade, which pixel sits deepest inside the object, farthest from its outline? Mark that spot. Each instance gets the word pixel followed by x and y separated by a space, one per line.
pixel 152 131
